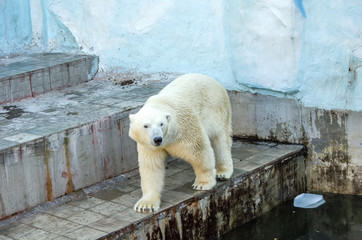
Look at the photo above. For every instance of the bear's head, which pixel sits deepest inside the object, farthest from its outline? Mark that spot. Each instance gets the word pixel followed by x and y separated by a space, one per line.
pixel 149 127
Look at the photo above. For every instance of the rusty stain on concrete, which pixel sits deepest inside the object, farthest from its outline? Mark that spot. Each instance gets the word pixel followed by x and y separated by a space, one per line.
pixel 2 206
pixel 49 184
pixel 70 185
pixel 93 128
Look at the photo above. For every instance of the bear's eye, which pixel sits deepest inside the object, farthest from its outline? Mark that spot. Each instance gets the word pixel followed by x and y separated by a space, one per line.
pixel 145 126
pixel 161 124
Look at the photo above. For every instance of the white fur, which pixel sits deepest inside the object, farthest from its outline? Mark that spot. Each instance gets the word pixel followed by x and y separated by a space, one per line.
pixel 192 115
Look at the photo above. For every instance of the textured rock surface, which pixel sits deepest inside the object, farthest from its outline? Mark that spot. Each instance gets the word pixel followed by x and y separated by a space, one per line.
pixel 307 50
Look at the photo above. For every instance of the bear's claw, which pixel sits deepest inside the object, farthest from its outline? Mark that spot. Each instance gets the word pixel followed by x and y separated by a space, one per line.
pixel 221 177
pixel 201 186
pixel 145 206
pixel 197 187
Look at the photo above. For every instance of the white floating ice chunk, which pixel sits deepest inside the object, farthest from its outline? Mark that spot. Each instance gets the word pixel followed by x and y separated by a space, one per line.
pixel 308 200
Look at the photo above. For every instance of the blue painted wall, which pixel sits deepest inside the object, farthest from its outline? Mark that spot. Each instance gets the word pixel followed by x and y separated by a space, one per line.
pixel 307 50
pixel 15 26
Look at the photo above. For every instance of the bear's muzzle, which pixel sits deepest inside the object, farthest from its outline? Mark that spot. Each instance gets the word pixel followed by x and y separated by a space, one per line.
pixel 157 141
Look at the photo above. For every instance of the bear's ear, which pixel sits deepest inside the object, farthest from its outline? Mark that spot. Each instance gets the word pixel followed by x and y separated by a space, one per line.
pixel 131 116
pixel 168 117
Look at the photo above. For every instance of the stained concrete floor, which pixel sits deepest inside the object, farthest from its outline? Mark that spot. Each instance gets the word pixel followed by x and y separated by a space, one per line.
pixel 97 211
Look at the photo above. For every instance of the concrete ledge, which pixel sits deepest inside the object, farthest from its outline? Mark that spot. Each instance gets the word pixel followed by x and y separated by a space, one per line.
pixel 259 184
pixel 266 174
pixel 34 74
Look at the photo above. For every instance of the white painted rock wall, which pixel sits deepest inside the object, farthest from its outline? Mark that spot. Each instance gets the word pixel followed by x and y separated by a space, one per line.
pixel 265 43
pixel 308 50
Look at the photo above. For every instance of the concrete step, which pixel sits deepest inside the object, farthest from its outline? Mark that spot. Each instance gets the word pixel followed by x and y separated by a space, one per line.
pixel 63 141
pixel 266 174
pixel 33 74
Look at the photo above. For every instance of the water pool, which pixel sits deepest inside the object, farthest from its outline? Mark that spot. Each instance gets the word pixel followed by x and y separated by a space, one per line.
pixel 339 218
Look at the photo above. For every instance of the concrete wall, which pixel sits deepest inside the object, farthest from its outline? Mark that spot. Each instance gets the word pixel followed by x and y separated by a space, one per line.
pixel 64 162
pixel 333 138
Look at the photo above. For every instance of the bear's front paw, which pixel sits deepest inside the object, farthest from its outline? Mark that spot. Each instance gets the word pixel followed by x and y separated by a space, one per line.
pixel 223 175
pixel 203 185
pixel 144 205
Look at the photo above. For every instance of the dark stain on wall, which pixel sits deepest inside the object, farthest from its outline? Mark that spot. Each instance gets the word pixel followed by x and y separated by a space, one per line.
pixel 2 213
pixel 330 160
pixel 331 167
pixel 47 160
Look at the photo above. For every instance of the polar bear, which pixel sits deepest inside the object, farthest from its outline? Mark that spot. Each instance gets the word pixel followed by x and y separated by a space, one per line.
pixel 189 119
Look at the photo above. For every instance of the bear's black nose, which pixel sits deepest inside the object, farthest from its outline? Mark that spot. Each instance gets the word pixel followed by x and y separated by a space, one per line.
pixel 157 140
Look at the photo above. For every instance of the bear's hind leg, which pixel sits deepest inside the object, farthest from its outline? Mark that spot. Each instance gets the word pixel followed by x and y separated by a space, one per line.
pixel 223 159
pixel 204 167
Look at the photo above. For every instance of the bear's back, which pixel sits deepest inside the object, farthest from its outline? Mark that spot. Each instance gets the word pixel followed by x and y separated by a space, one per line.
pixel 194 94
pixel 192 86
